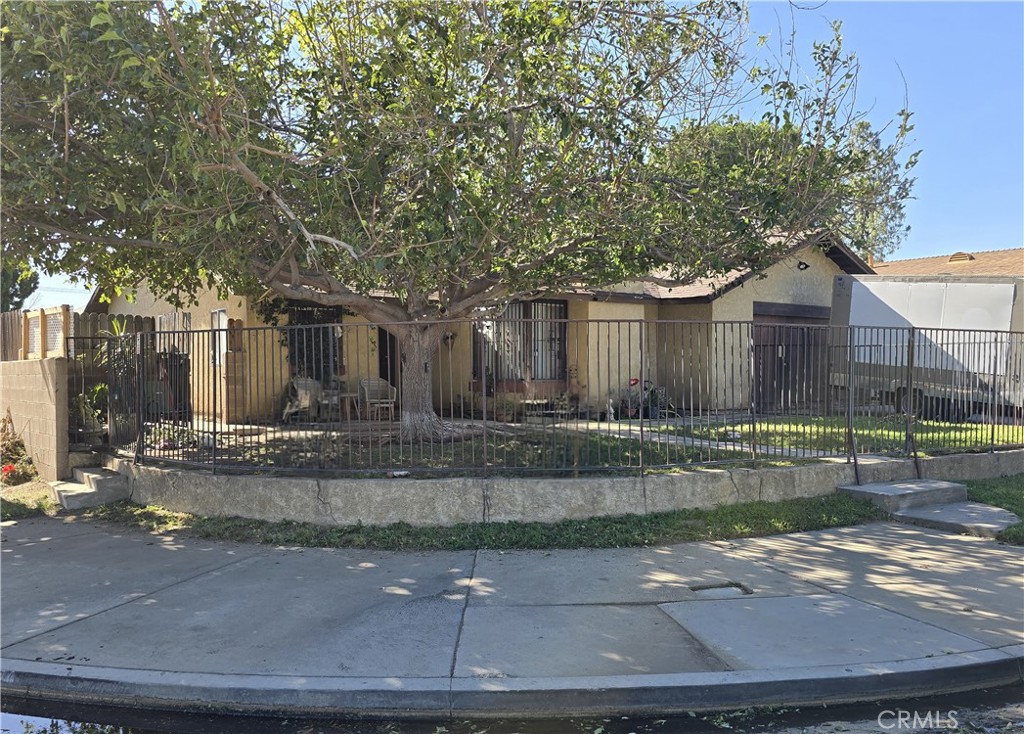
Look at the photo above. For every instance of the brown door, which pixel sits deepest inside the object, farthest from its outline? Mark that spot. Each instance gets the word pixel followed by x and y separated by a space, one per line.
pixel 790 362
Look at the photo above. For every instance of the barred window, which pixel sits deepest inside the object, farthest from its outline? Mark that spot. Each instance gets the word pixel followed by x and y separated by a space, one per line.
pixel 527 342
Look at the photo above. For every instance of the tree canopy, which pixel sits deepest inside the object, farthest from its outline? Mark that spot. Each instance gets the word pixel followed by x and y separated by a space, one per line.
pixel 452 154
pixel 414 161
pixel 16 285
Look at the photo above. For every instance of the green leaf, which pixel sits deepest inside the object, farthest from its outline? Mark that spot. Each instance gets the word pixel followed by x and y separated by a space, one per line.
pixel 471 149
pixel 101 19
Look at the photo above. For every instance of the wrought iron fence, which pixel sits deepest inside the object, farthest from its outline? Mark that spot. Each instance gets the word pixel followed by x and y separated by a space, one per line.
pixel 531 393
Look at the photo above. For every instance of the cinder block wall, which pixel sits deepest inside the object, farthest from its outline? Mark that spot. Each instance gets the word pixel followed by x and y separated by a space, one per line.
pixel 36 393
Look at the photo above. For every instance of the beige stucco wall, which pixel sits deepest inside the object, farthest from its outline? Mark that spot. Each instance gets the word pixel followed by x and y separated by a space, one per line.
pixel 614 337
pixel 36 393
pixel 702 350
pixel 253 384
pixel 598 355
pixel 730 358
pixel 684 343
pixel 361 349
pixel 727 353
pixel 784 282
pixel 250 383
pixel 144 303
pixel 577 352
pixel 453 370
pixel 702 367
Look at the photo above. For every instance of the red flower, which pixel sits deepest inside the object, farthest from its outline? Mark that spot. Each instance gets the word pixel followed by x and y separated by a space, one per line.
pixel 633 381
pixel 7 469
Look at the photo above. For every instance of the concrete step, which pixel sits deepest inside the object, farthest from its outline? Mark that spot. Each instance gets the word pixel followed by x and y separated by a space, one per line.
pixel 98 478
pixel 93 487
pixel 966 518
pixel 84 458
pixel 907 493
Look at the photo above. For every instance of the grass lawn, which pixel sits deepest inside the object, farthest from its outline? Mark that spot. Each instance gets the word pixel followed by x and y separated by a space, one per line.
pixel 733 521
pixel 722 523
pixel 873 434
pixel 1005 492
pixel 26 500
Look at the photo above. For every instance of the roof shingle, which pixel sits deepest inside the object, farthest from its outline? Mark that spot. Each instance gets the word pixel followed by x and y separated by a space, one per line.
pixel 989 262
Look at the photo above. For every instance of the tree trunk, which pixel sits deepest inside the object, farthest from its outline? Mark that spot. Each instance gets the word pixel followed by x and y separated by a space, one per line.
pixel 418 345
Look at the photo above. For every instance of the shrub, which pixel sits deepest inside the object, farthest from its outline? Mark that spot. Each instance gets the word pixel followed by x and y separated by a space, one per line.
pixel 16 467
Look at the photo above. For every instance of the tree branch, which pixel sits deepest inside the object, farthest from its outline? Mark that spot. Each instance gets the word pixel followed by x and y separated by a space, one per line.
pixel 328 291
pixel 112 241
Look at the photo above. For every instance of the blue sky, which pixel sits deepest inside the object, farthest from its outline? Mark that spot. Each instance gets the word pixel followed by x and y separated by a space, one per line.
pixel 964 68
pixel 963 63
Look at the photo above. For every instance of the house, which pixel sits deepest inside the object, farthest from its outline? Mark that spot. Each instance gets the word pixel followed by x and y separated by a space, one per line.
pixel 969 264
pixel 699 341
pixel 228 359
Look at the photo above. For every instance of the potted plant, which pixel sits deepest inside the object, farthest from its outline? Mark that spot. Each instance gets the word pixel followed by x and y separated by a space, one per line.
pixel 627 401
pixel 88 425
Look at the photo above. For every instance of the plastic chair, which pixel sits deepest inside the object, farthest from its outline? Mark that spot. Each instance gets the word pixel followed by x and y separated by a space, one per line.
pixel 377 394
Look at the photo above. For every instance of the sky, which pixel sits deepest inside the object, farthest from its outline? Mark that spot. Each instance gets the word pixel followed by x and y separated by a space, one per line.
pixel 963 66
pixel 959 66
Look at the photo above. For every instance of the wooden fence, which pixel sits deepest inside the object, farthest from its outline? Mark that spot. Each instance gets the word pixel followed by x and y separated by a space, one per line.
pixel 45 332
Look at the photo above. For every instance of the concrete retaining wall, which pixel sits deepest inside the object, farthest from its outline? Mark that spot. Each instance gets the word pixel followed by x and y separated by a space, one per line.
pixel 450 501
pixel 35 391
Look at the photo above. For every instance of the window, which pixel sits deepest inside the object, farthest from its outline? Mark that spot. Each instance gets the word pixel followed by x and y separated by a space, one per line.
pixel 315 341
pixel 219 338
pixel 316 351
pixel 173 332
pixel 527 342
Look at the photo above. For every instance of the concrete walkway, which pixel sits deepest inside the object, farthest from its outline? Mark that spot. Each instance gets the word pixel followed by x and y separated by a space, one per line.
pixel 94 614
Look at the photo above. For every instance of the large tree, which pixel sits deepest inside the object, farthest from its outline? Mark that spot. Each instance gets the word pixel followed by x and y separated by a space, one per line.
pixel 419 161
pixel 17 283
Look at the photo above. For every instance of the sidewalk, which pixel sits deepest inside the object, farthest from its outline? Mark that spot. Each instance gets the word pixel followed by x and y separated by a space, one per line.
pixel 94 614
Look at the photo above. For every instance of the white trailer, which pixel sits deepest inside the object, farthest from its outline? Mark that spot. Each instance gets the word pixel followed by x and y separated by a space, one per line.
pixel 945 347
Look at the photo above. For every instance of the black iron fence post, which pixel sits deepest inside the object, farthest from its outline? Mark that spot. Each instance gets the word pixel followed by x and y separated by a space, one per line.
pixel 140 397
pixel 992 392
pixel 112 432
pixel 217 356
pixel 484 389
pixel 851 443
pixel 909 403
pixel 643 398
pixel 755 386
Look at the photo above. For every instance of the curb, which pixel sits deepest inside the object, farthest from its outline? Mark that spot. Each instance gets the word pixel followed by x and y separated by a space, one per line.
pixel 492 698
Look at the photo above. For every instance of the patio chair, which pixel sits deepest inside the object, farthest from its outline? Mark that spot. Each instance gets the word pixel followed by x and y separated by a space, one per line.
pixel 303 397
pixel 377 394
